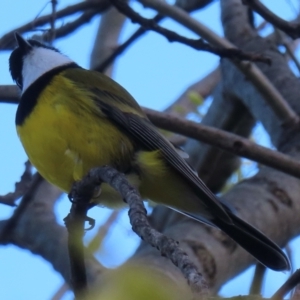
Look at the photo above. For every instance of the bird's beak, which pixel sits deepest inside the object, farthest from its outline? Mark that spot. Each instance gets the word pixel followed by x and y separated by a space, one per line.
pixel 22 43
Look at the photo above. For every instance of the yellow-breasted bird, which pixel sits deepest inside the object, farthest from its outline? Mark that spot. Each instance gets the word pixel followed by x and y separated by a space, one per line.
pixel 70 120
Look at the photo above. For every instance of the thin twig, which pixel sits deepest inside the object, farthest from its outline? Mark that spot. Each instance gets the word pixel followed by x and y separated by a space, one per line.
pixel 52 21
pixel 287 286
pixel 120 49
pixel 97 240
pixel 292 55
pixel 26 200
pixel 75 222
pixel 138 219
pixel 198 44
pixel 7 42
pixel 20 187
pixel 290 28
pixel 258 278
pixel 276 102
pixel 62 290
pixel 9 94
pixel 186 5
pixel 72 26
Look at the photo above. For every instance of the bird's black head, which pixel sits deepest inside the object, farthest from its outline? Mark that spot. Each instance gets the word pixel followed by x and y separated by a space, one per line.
pixel 24 49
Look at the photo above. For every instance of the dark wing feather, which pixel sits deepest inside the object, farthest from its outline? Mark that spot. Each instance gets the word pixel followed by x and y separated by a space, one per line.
pixel 147 135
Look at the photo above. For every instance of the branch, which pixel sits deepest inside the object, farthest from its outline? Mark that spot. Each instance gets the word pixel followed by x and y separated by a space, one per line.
pixel 204 87
pixel 274 99
pixel 7 42
pixel 226 141
pixel 120 49
pixel 258 278
pixel 20 187
pixel 138 219
pixel 106 40
pixel 75 222
pixel 52 21
pixel 9 94
pixel 186 5
pixel 290 28
pixel 191 5
pixel 71 26
pixel 102 232
pixel 198 44
pixel 287 286
pixel 26 200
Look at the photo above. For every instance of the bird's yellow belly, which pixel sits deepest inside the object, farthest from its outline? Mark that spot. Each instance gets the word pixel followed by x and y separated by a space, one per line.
pixel 64 143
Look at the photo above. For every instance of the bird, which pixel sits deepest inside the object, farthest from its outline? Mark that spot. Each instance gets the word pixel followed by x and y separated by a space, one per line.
pixel 70 119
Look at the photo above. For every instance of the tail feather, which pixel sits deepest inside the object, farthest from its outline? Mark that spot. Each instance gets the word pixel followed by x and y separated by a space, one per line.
pixel 255 242
pixel 249 238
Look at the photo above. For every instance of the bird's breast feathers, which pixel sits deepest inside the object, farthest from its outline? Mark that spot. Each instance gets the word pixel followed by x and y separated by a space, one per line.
pixel 66 134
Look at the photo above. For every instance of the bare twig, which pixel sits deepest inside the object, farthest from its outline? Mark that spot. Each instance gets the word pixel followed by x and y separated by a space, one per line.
pixel 186 5
pixel 26 200
pixel 75 222
pixel 290 28
pixel 274 99
pixel 191 5
pixel 203 88
pixel 7 42
pixel 72 26
pixel 287 286
pixel 107 38
pixel 139 221
pixel 292 55
pixel 96 242
pixel 20 187
pixel 120 49
pixel 198 44
pixel 52 21
pixel 61 292
pixel 258 278
pixel 296 293
pixel 9 94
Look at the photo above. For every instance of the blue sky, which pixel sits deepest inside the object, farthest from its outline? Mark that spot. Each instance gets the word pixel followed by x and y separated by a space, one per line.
pixel 155 72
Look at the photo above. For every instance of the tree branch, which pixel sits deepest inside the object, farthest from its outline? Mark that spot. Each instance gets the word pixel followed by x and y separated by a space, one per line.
pixel 274 99
pixel 186 5
pixel 287 286
pixel 292 29
pixel 26 200
pixel 198 44
pixel 226 141
pixel 258 278
pixel 105 47
pixel 7 42
pixel 138 218
pixel 20 187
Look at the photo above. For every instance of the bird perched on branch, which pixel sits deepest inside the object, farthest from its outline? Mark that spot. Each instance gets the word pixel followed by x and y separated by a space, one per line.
pixel 70 120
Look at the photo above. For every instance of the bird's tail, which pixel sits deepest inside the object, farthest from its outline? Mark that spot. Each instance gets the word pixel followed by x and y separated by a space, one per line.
pixel 255 242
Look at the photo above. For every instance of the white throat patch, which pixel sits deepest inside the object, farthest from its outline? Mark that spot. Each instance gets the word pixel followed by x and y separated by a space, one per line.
pixel 39 61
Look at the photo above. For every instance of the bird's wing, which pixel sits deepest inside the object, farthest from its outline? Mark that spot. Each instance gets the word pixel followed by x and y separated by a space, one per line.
pixel 145 134
pixel 120 107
